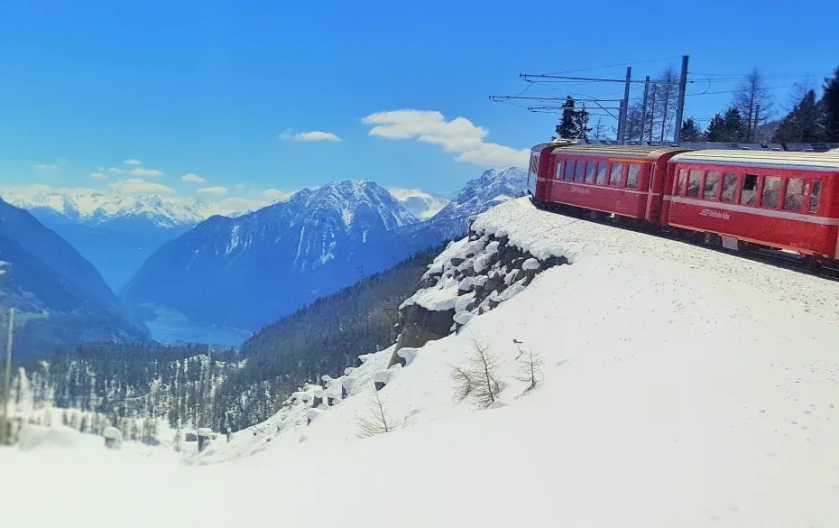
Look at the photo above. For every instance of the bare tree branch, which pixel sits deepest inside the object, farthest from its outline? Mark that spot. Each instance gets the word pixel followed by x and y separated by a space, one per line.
pixel 478 380
pixel 379 422
pixel 754 101
pixel 530 369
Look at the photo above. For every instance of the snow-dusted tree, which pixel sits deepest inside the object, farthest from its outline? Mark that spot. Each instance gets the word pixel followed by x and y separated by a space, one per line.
pixel 176 442
pixel 378 422
pixel 754 101
pixel 478 380
pixel 530 369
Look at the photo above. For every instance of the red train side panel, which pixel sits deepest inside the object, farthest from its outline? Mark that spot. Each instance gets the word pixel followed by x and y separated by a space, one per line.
pixel 782 200
pixel 625 181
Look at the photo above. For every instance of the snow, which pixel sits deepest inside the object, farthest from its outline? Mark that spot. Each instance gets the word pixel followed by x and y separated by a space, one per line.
pixel 420 203
pixel 682 387
pixel 531 264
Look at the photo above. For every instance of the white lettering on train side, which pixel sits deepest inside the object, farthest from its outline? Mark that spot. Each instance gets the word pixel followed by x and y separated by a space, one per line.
pixel 713 213
pixel 580 190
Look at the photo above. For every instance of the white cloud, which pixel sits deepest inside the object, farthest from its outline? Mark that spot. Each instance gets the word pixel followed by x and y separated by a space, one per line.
pixel 213 190
pixel 314 135
pixel 192 178
pixel 46 166
pixel 133 162
pixel 138 186
pixel 458 135
pixel 98 175
pixel 140 171
pixel 116 170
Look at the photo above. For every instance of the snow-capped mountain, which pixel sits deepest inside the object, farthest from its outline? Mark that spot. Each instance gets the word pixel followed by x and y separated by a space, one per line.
pixel 95 208
pixel 419 202
pixel 115 232
pixel 250 270
pixel 491 188
pixel 59 295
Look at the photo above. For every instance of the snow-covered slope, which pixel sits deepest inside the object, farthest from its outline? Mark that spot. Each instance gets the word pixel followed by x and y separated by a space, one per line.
pixel 681 387
pixel 420 203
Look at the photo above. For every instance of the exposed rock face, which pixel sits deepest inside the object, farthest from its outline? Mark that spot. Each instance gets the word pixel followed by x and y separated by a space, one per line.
pixel 471 277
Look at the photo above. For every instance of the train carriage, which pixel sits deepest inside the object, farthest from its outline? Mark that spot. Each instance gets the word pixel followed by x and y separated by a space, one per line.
pixel 625 181
pixel 787 200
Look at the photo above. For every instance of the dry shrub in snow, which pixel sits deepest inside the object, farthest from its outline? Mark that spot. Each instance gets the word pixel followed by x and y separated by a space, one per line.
pixel 530 369
pixel 379 421
pixel 477 381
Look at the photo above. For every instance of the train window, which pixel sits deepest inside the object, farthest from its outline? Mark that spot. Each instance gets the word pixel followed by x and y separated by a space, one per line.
pixel 633 176
pixel 569 170
pixel 617 174
pixel 729 187
pixel 712 185
pixel 814 196
pixel 602 170
pixel 558 174
pixel 771 192
pixel 683 176
pixel 694 179
pixel 749 193
pixel 581 171
pixel 794 197
pixel 590 170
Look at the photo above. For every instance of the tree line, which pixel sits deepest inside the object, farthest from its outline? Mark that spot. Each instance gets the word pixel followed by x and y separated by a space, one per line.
pixel 119 384
pixel 811 116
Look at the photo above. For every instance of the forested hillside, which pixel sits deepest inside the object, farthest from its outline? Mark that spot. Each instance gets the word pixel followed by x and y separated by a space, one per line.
pixel 321 339
pixel 188 388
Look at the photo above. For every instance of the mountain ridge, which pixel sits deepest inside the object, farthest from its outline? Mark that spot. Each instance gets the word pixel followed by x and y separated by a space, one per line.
pixel 250 271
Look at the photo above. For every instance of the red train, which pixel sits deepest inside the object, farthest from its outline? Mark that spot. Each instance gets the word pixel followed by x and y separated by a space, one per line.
pixel 782 200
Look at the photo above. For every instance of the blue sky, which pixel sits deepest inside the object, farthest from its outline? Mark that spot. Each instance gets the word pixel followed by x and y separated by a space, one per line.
pixel 211 88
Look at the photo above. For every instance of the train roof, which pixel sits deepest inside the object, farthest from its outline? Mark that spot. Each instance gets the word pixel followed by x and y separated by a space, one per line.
pixel 813 161
pixel 616 151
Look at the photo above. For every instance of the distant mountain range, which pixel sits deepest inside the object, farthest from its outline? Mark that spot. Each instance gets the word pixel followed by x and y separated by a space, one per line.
pixel 174 260
pixel 116 233
pixel 249 271
pixel 60 297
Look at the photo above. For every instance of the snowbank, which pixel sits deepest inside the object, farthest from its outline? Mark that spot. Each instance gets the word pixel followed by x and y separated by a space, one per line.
pixel 682 387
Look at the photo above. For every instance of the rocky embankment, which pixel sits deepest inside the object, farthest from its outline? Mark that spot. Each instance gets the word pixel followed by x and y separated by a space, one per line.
pixel 470 277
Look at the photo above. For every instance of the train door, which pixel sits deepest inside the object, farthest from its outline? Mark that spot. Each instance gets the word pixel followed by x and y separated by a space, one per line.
pixel 533 175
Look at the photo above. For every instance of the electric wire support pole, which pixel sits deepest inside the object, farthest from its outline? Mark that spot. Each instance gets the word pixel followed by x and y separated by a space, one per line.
pixel 680 107
pixel 624 108
pixel 7 376
pixel 644 107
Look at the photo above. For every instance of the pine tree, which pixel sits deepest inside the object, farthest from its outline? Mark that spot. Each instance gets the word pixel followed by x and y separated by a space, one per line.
pixel 690 132
pixel 581 118
pixel 804 124
pixel 726 129
pixel 567 127
pixel 830 108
